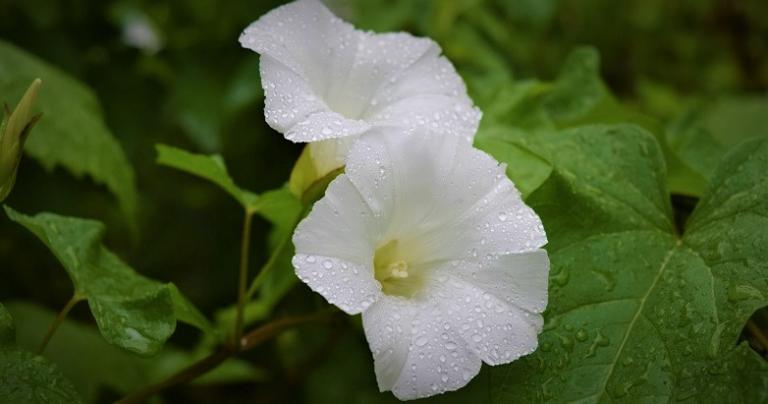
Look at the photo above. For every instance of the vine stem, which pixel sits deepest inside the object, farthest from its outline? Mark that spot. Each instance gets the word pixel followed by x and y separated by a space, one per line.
pixel 279 250
pixel 210 362
pixel 57 322
pixel 242 295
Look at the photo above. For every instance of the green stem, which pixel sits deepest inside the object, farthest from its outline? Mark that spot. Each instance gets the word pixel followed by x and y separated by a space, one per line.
pixel 272 261
pixel 210 362
pixel 242 296
pixel 57 322
pixel 267 267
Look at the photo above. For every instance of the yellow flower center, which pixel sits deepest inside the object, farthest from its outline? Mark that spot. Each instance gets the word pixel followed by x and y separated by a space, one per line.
pixel 392 270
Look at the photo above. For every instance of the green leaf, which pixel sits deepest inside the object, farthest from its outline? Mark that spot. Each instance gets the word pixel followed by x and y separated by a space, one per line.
pixel 528 165
pixel 578 89
pixel 132 311
pixel 636 312
pixel 93 364
pixel 26 377
pixel 73 133
pixel 211 168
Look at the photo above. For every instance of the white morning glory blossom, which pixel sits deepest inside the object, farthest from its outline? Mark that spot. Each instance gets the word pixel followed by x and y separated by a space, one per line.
pixel 431 242
pixel 326 82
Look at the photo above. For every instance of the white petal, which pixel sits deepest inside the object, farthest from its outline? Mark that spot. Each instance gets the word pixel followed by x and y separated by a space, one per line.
pixel 432 74
pixel 348 285
pixel 495 330
pixel 485 214
pixel 401 176
pixel 340 225
pixel 416 351
pixel 289 99
pixel 443 198
pixel 308 39
pixel 325 125
pixel 379 61
pixel 517 279
pixel 335 244
pixel 448 115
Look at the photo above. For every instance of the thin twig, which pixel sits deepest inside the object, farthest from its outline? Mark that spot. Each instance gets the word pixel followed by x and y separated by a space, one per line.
pixel 57 322
pixel 205 365
pixel 242 296
pixel 188 374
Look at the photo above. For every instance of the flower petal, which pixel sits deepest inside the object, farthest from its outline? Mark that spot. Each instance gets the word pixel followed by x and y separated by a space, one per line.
pixel 495 330
pixel 348 285
pixel 324 125
pixel 379 61
pixel 335 244
pixel 399 173
pixel 485 214
pixel 416 352
pixel 289 99
pixel 448 115
pixel 517 279
pixel 340 225
pixel 308 39
pixel 323 79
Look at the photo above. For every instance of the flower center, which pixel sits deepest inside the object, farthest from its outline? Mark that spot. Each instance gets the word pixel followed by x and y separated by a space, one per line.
pixel 392 270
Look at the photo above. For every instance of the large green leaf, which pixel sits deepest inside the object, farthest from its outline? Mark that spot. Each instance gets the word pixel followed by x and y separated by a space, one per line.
pixel 72 133
pixel 28 378
pixel 92 364
pixel 132 311
pixel 211 168
pixel 637 312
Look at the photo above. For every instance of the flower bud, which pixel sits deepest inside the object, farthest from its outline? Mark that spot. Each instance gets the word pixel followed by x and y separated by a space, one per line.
pixel 13 132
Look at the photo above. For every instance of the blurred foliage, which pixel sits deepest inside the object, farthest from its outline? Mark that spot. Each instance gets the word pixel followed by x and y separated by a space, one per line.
pixel 694 73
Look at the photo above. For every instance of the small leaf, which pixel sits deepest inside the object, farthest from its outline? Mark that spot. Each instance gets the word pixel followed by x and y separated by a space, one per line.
pixel 73 133
pixel 26 377
pixel 211 168
pixel 132 311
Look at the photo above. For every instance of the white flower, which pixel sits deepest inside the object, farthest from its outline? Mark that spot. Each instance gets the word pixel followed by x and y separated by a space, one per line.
pixel 431 242
pixel 327 82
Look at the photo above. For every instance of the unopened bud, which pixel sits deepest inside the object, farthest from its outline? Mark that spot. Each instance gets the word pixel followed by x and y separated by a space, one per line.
pixel 13 133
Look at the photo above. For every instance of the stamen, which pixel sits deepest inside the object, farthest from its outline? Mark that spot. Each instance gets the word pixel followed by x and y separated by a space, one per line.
pixel 398 269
